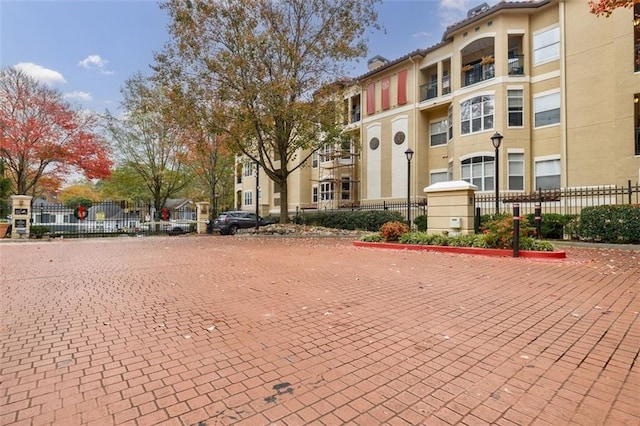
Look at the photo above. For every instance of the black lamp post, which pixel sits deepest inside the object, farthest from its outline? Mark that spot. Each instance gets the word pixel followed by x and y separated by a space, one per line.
pixel 409 154
pixel 496 140
pixel 257 197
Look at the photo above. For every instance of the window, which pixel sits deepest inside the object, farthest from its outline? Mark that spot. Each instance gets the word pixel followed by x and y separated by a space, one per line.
pixel 516 171
pixel 436 177
pixel 248 198
pixel 479 171
pixel 325 152
pixel 314 160
pixel 548 174
pixel 439 131
pixel 314 194
pixel 450 122
pixel 248 169
pixel 450 171
pixel 345 188
pixel 238 173
pixel 476 115
pixel 515 104
pixel 546 109
pixel 326 191
pixel 546 46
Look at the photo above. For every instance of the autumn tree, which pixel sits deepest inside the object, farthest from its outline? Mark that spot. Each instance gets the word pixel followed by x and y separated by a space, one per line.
pixel 210 160
pixel 268 61
pixel 606 7
pixel 147 141
pixel 43 138
pixel 79 193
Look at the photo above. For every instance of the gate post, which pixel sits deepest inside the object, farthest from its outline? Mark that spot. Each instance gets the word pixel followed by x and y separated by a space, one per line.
pixel 20 216
pixel 202 216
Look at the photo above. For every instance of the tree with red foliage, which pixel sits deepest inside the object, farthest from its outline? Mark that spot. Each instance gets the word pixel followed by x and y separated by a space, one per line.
pixel 42 138
pixel 606 7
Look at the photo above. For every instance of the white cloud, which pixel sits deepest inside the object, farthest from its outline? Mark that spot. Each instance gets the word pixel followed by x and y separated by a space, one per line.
pixel 95 62
pixel 40 73
pixel 82 96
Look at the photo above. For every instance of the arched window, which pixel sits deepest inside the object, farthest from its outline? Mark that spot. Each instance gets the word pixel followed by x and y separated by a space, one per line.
pixel 479 171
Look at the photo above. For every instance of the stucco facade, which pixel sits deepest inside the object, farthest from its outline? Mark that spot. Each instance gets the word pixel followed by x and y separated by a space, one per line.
pixel 559 83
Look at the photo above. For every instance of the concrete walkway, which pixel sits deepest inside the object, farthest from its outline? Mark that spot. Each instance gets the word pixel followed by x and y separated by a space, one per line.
pixel 257 331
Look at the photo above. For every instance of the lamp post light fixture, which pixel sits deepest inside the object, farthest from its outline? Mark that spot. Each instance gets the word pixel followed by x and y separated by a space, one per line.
pixel 496 140
pixel 409 154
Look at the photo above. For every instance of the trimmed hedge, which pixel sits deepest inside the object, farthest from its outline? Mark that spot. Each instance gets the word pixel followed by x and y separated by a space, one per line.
pixel 553 224
pixel 610 224
pixel 351 220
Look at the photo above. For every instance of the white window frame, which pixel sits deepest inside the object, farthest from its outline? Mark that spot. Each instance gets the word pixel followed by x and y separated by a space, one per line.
pixel 546 45
pixel 515 110
pixel 557 164
pixel 486 169
pixel 545 102
pixel 248 198
pixel 326 190
pixel 314 160
pixel 442 128
pixel 450 118
pixel 515 168
pixel 485 114
pixel 248 168
pixel 345 181
pixel 314 194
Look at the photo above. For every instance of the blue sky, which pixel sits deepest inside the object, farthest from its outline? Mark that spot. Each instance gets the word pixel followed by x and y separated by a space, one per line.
pixel 86 49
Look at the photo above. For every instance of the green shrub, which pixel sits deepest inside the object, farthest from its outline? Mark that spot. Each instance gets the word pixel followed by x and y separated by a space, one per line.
pixel 38 231
pixel 353 220
pixel 392 231
pixel 611 224
pixel 421 222
pixel 553 224
pixel 371 238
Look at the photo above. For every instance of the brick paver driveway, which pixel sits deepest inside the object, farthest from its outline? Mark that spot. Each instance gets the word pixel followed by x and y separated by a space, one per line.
pixel 256 331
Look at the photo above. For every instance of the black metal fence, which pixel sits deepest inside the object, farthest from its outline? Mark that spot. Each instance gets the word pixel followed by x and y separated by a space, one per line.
pixel 111 218
pixel 567 201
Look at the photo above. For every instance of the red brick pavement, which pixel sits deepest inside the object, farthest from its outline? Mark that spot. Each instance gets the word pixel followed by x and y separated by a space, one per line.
pixel 313 332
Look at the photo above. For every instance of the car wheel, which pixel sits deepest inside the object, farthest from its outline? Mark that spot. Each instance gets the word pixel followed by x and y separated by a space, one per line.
pixel 233 229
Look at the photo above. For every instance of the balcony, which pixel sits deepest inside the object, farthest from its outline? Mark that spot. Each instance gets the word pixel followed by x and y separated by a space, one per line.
pixel 516 64
pixel 428 91
pixel 476 73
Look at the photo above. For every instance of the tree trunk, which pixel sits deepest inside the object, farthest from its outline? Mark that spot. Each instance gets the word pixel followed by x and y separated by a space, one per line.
pixel 284 202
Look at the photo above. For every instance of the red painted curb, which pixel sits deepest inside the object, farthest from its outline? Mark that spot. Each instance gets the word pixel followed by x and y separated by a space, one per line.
pixel 466 250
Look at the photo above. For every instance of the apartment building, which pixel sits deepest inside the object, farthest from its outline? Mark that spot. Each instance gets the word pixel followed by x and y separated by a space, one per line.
pixel 561 86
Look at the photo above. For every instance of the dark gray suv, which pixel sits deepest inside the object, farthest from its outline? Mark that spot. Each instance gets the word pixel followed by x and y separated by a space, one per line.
pixel 228 223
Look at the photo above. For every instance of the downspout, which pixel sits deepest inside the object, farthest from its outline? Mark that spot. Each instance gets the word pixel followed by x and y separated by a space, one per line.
pixel 414 177
pixel 564 170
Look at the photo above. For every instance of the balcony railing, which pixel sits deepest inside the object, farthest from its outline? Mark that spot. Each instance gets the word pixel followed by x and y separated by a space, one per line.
pixel 516 64
pixel 446 85
pixel 476 73
pixel 428 91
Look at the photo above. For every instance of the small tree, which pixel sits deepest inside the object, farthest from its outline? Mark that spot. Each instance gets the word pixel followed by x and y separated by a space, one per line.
pixel 147 141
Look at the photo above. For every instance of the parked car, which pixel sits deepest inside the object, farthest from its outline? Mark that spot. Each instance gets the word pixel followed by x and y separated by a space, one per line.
pixel 228 223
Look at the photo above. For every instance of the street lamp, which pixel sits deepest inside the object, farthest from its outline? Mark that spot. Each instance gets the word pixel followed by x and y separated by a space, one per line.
pixel 496 140
pixel 409 154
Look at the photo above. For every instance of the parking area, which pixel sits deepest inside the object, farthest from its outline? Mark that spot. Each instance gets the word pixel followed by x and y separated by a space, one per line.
pixel 211 330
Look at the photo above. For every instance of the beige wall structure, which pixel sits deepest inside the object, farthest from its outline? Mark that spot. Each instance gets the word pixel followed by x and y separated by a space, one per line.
pixel 560 84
